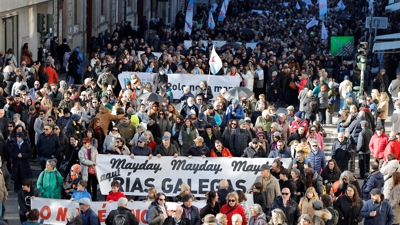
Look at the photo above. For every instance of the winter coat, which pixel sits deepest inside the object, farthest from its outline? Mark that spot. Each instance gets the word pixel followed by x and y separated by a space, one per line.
pixel 364 138
pixel 259 220
pixel 306 207
pixel 110 141
pixel 291 211
pixel 295 135
pixel 322 216
pixel 345 209
pixel 284 153
pixel 208 209
pixel 341 152
pixel 317 183
pixel 155 217
pixel 384 213
pixel 224 153
pixel 378 145
pixel 114 196
pixel 48 145
pixel 194 215
pixel 259 198
pixel 186 138
pixel 388 168
pixel 238 141
pixel 198 151
pixel 392 147
pixel 394 200
pixel 329 175
pixel 323 100
pixel 374 180
pixel 171 221
pixel 355 129
pixel 266 123
pixel 106 117
pixel 383 109
pixel 89 216
pixel 239 113
pixel 272 190
pixel 250 152
pixel 317 160
pixel 85 162
pixel 160 149
pixel 395 120
pixel 75 221
pixel 21 169
pixel 238 209
pixel 121 210
pixel 81 194
pixel 50 184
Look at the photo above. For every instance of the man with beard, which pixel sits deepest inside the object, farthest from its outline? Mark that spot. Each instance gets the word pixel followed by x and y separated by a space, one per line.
pixel 287 205
pixel 376 210
pixel 188 106
pixel 199 149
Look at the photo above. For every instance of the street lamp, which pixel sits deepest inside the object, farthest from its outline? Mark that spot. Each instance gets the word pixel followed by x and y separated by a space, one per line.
pixel 362 64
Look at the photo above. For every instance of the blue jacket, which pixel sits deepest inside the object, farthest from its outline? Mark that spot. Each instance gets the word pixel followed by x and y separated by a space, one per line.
pixel 384 213
pixel 239 113
pixel 80 59
pixel 48 146
pixel 284 153
pixel 317 161
pixel 374 180
pixel 89 216
pixel 81 194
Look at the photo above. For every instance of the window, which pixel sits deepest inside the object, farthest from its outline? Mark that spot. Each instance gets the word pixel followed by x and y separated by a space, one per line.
pixel 75 12
pixel 10 34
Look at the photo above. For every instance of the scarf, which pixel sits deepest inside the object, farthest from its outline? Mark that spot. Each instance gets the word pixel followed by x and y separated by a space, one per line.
pixel 20 143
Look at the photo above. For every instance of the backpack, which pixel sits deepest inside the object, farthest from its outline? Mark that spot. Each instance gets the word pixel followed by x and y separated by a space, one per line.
pixel 335 216
pixel 121 218
pixel 332 100
pixel 314 106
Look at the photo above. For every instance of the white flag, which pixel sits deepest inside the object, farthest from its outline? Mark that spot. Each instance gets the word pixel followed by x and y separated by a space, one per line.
pixel 189 17
pixel 211 23
pixel 312 23
pixel 324 32
pixel 224 8
pixel 298 6
pixel 215 62
pixel 214 7
pixel 341 5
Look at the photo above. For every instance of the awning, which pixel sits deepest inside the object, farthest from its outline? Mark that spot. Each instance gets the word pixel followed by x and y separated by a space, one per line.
pixel 387 42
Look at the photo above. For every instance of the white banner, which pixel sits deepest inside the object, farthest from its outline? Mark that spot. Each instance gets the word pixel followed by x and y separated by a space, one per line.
pixel 187 44
pixel 179 81
pixel 167 174
pixel 54 211
pixel 156 54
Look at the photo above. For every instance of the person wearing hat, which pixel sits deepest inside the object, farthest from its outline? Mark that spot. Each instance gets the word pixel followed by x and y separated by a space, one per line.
pixel 376 210
pixel 321 214
pixel 165 148
pixel 198 149
pixel 210 135
pixel 141 149
pixel 71 181
pixel 287 205
pixel 378 143
pixel 87 215
pixel 297 122
pixel 234 111
pixel 75 127
pixel 254 150
pixel 21 153
pixel 270 188
pixel 239 139
pixel 154 127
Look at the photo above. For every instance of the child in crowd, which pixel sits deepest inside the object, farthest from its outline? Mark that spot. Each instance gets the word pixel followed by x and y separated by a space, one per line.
pixel 115 193
pixel 258 197
pixel 81 192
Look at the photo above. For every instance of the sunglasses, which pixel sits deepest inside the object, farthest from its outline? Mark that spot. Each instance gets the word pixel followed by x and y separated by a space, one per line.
pixel 49 120
pixel 285 193
pixel 231 200
pixel 10 126
pixel 234 124
pixel 115 130
pixel 81 204
pixel 46 129
pixel 161 199
pixel 161 114
pixel 254 143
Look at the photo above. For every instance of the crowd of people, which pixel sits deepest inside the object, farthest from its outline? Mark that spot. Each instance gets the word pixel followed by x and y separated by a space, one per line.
pixel 64 125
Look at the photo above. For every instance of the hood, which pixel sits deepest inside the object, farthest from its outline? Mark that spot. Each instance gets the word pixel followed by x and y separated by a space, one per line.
pixel 114 136
pixel 324 214
pixel 77 50
pixel 378 175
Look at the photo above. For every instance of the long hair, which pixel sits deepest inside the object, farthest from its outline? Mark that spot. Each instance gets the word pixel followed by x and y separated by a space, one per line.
pixel 93 122
pixel 210 197
pixel 309 173
pixel 348 174
pixel 355 200
pixel 396 178
pixel 336 168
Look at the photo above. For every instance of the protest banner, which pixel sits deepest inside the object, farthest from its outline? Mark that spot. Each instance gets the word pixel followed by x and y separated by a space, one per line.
pixel 167 174
pixel 178 81
pixel 187 44
pixel 54 211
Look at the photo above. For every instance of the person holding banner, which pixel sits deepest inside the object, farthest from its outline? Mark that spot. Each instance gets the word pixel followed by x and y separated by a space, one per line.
pixel 205 91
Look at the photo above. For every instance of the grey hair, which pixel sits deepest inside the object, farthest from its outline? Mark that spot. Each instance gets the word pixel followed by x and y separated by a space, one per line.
pixel 221 218
pixel 72 213
pixel 347 174
pixel 17 115
pixel 122 201
pixel 281 215
pixel 305 217
pixel 237 216
pixel 257 209
pixel 52 163
pixel 296 171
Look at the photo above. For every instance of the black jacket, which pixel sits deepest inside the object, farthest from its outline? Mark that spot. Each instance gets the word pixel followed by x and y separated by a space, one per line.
pixel 171 221
pixel 291 211
pixel 24 199
pixel 341 152
pixel 329 175
pixel 121 210
pixel 210 210
pixel 198 151
pixel 259 198
pixel 345 209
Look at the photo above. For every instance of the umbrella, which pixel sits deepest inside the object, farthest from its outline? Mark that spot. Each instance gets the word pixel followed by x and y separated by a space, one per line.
pixel 230 45
pixel 237 93
pixel 247 31
pixel 152 97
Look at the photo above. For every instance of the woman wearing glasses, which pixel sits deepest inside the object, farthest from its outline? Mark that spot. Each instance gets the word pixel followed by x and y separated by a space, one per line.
pixel 233 207
pixel 110 141
pixel 231 126
pixel 158 210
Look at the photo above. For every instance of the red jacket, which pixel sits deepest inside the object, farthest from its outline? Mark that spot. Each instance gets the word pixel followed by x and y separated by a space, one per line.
pixel 115 196
pixel 52 74
pixel 377 144
pixel 392 147
pixel 225 153
pixel 238 210
pixel 296 125
pixel 302 83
